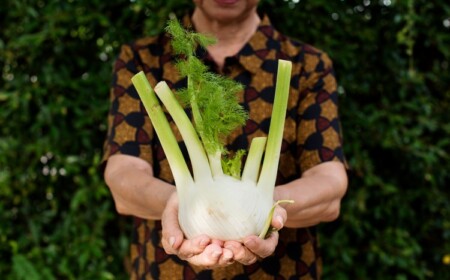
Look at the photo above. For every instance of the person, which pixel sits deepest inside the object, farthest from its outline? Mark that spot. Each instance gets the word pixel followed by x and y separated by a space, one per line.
pixel 311 170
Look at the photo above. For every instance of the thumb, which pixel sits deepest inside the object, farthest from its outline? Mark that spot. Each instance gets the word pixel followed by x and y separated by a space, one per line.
pixel 279 217
pixel 172 236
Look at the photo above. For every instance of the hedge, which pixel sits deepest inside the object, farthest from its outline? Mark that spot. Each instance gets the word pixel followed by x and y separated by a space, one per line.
pixel 57 218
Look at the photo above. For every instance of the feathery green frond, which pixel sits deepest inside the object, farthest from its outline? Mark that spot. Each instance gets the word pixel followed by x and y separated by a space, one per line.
pixel 213 98
pixel 185 41
pixel 203 40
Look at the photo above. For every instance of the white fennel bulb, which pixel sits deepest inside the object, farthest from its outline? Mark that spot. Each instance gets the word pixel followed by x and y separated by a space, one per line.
pixel 229 209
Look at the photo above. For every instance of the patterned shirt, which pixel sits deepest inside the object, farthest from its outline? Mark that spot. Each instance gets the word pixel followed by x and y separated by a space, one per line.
pixel 311 136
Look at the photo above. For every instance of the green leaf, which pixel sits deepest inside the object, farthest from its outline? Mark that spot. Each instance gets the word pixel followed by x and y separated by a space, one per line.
pixel 24 269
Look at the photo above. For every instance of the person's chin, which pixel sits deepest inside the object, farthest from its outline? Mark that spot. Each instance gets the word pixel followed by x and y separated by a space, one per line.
pixel 227 11
pixel 225 15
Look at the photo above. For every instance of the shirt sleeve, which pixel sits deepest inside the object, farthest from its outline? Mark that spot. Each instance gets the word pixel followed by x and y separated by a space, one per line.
pixel 129 128
pixel 319 132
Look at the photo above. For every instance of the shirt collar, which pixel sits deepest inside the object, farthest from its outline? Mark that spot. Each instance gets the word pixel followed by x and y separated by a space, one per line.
pixel 262 45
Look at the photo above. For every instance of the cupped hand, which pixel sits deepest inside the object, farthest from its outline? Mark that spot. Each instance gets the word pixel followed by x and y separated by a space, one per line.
pixel 253 247
pixel 200 251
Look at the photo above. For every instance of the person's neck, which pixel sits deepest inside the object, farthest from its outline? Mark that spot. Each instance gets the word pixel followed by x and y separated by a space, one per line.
pixel 231 36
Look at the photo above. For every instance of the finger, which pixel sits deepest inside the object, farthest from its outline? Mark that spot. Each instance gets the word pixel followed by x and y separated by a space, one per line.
pixel 194 246
pixel 209 258
pixel 226 258
pixel 240 253
pixel 218 242
pixel 279 217
pixel 262 247
pixel 172 236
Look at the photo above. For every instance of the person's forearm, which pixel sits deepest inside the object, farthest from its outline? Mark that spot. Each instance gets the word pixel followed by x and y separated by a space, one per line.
pixel 317 195
pixel 135 191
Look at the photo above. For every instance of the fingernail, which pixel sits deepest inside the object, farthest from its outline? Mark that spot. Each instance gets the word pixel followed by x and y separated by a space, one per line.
pixel 216 254
pixel 280 220
pixel 227 255
pixel 171 241
pixel 204 242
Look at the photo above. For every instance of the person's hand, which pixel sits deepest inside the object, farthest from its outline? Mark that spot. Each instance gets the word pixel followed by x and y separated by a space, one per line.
pixel 200 251
pixel 252 247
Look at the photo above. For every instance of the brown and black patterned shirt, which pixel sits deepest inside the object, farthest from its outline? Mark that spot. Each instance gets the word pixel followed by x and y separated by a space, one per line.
pixel 311 136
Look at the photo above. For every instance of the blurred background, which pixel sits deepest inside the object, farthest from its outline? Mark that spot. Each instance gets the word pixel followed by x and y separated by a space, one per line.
pixel 57 219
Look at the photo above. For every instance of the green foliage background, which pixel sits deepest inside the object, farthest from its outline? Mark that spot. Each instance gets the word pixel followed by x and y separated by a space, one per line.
pixel 57 219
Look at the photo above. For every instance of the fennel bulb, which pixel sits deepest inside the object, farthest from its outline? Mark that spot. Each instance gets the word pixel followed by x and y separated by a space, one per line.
pixel 227 209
